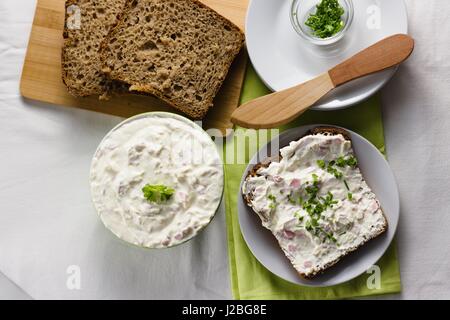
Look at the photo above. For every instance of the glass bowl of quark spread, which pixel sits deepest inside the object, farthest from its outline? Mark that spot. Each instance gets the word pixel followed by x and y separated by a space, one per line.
pixel 321 22
pixel 156 180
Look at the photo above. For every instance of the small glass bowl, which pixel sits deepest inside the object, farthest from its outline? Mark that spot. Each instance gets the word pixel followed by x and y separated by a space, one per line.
pixel 300 11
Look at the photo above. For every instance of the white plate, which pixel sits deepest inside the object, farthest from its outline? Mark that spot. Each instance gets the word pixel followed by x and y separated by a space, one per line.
pixel 283 59
pixel 379 177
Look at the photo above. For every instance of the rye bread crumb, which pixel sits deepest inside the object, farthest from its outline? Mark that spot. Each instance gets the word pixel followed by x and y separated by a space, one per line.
pixel 81 64
pixel 177 50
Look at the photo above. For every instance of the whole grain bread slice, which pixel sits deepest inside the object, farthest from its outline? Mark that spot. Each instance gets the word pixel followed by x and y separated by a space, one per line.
pixel 87 24
pixel 266 163
pixel 177 50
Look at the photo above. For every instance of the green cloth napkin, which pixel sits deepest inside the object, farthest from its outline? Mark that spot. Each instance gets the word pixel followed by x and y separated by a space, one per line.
pixel 251 280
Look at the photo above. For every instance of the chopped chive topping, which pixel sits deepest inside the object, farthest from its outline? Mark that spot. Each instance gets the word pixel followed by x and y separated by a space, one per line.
pixel 346 185
pixel 340 162
pixel 315 206
pixel 331 237
pixel 321 164
pixel 312 191
pixel 351 161
pixel 298 216
pixel 326 21
pixel 315 178
pixel 332 170
pixel 328 200
pixel 317 231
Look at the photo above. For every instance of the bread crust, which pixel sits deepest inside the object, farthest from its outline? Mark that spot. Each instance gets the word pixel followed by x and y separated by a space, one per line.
pixel 150 90
pixel 315 131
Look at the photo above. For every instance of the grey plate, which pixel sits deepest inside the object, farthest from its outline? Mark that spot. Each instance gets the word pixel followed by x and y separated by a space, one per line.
pixel 379 177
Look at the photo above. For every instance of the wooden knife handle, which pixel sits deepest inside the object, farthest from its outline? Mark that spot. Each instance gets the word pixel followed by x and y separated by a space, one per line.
pixel 382 55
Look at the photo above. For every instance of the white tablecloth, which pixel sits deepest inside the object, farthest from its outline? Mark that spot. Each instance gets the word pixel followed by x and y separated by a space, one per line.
pixel 47 223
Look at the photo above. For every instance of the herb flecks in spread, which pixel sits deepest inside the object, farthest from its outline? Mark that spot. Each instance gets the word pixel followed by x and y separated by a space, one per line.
pixel 327 20
pixel 314 206
pixel 273 199
pixel 157 193
pixel 315 201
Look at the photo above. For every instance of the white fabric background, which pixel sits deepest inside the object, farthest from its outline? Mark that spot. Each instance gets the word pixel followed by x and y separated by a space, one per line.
pixel 47 222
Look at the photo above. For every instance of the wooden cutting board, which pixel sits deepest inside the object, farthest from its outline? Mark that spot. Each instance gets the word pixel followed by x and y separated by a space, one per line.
pixel 41 74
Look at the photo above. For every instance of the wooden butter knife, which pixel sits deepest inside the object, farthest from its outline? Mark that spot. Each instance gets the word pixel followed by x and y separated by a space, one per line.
pixel 284 106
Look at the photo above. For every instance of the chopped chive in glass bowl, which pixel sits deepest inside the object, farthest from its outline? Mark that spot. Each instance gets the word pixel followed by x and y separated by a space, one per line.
pixel 322 22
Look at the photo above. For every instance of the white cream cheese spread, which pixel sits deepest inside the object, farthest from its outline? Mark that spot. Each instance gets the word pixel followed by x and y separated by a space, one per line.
pixel 316 202
pixel 156 149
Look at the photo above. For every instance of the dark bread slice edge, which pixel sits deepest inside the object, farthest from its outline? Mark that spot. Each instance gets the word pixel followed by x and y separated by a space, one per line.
pixel 144 89
pixel 64 72
pixel 110 88
pixel 332 131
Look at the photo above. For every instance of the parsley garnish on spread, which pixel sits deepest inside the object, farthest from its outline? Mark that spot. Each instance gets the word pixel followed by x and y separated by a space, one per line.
pixel 157 193
pixel 326 21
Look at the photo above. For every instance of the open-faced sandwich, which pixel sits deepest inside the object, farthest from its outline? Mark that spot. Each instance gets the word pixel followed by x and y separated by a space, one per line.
pixel 315 201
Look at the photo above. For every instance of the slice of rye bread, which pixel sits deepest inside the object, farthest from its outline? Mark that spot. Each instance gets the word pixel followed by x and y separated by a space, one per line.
pixel 177 50
pixel 81 64
pixel 267 162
